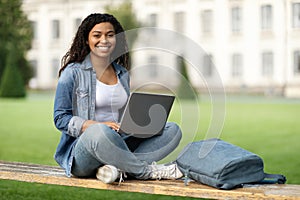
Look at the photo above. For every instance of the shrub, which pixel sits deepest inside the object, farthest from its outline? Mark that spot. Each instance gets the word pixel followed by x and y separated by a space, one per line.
pixel 11 83
pixel 185 89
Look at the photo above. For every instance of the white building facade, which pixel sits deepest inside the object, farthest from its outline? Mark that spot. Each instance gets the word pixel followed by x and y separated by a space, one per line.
pixel 253 44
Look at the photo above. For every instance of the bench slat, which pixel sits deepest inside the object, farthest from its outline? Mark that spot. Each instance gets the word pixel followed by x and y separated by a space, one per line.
pixel 55 175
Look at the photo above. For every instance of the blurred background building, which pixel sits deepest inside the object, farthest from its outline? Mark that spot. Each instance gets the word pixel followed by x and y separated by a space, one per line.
pixel 254 44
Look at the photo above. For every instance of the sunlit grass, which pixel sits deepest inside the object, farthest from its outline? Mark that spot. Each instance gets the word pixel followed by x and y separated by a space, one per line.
pixel 267 127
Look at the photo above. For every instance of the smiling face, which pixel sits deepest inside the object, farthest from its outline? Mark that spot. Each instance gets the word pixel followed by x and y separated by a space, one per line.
pixel 102 40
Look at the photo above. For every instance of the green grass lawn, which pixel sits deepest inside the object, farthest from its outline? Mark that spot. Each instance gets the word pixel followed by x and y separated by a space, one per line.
pixel 266 126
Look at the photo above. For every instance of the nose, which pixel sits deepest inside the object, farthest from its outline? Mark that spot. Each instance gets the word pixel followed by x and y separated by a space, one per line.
pixel 103 39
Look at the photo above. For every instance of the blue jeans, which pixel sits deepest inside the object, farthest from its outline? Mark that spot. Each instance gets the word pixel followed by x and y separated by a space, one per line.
pixel 100 145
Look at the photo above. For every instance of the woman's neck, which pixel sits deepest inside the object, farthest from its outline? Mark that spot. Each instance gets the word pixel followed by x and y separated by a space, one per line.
pixel 99 64
pixel 104 70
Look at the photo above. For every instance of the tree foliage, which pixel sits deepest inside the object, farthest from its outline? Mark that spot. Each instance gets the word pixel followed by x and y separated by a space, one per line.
pixel 125 15
pixel 15 30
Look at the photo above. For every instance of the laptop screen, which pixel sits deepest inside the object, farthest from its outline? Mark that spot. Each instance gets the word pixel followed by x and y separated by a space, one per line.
pixel 146 114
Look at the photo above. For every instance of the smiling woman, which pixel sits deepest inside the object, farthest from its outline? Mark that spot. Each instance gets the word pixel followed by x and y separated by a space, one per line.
pixel 92 90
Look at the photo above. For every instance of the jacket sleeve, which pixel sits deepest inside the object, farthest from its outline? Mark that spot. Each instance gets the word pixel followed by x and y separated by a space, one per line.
pixel 63 105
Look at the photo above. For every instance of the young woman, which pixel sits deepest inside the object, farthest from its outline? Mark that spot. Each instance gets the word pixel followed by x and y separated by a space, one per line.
pixel 93 87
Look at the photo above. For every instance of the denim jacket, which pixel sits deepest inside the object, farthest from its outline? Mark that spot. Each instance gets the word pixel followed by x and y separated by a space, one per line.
pixel 75 103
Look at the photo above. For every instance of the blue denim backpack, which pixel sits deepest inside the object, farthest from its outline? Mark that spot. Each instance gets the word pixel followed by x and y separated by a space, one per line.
pixel 222 165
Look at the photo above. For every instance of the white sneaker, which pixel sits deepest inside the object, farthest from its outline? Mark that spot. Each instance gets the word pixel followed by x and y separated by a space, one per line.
pixel 108 174
pixel 165 171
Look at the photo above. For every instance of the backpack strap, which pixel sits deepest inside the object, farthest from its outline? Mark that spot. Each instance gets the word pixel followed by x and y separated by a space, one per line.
pixel 186 178
pixel 273 178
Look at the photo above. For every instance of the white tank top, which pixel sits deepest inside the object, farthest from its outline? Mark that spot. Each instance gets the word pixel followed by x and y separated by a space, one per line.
pixel 109 100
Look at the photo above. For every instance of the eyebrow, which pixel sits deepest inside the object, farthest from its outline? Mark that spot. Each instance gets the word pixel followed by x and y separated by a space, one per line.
pixel 110 31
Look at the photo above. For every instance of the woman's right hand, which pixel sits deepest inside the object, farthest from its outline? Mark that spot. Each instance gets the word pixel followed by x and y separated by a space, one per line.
pixel 87 123
pixel 112 125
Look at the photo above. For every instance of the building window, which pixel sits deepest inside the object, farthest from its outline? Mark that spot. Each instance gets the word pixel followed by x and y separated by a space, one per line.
pixel 34 29
pixel 33 64
pixel 207 65
pixel 55 67
pixel 179 21
pixel 152 60
pixel 266 16
pixel 236 19
pixel 237 65
pixel 267 64
pixel 33 80
pixel 77 23
pixel 153 20
pixel 55 29
pixel 297 62
pixel 296 15
pixel 207 21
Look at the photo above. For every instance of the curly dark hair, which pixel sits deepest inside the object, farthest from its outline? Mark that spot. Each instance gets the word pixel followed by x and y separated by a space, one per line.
pixel 80 49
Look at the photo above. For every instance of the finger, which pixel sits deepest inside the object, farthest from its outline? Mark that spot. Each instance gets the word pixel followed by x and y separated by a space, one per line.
pixel 114 126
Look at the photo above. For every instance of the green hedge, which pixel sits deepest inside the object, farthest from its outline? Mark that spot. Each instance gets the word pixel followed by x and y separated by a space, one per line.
pixel 12 84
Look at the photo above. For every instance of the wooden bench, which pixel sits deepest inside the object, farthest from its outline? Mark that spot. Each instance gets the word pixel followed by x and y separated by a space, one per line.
pixel 55 175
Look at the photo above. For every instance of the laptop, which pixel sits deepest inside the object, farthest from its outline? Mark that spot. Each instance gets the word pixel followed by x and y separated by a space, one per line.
pixel 145 115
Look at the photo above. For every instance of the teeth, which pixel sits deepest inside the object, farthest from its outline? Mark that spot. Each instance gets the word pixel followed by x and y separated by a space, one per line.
pixel 103 48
